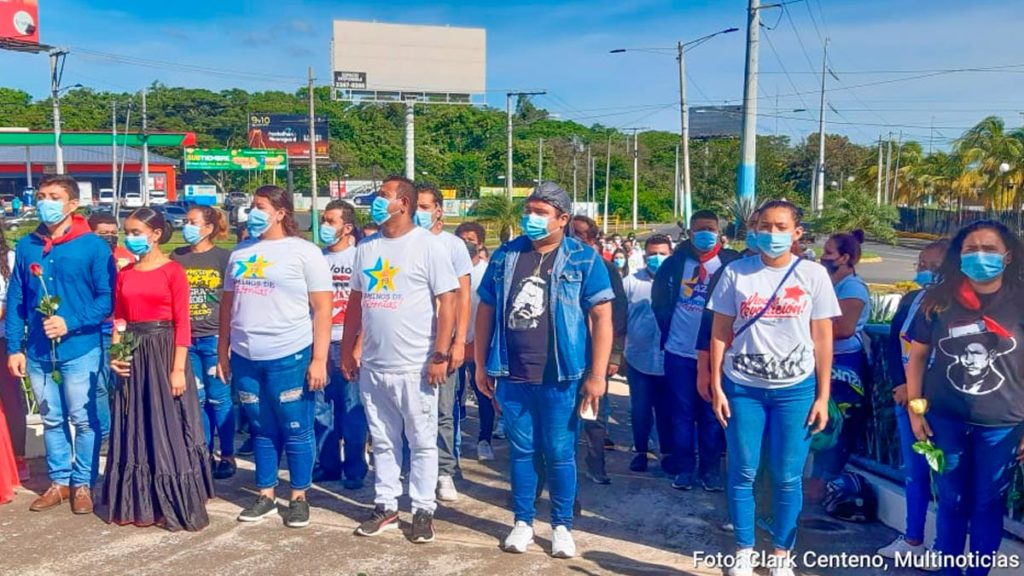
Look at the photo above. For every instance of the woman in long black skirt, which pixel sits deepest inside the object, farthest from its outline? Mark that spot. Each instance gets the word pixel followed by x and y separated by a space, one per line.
pixel 158 469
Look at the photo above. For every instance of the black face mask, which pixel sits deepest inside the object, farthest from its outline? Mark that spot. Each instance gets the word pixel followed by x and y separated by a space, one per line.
pixel 831 265
pixel 111 240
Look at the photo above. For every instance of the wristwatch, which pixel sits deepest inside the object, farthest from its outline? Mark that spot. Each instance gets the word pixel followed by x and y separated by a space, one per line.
pixel 918 406
pixel 440 358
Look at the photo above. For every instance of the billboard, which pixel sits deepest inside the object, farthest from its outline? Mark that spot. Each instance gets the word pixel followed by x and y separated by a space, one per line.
pixel 716 121
pixel 19 21
pixel 223 159
pixel 393 59
pixel 287 132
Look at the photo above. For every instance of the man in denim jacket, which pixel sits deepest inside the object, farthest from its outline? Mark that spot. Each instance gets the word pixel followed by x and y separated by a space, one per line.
pixel 536 298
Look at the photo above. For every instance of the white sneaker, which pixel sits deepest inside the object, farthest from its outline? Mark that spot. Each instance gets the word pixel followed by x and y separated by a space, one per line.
pixel 901 547
pixel 562 544
pixel 519 539
pixel 446 491
pixel 499 430
pixel 484 452
pixel 744 565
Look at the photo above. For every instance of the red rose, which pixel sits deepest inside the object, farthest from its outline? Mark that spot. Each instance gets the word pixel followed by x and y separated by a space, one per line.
pixel 36 269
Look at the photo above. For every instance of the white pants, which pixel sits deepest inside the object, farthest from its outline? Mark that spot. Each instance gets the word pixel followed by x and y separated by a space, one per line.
pixel 397 403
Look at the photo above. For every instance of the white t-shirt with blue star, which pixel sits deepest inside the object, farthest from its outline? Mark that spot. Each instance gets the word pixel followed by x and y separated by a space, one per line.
pixel 271 281
pixel 398 279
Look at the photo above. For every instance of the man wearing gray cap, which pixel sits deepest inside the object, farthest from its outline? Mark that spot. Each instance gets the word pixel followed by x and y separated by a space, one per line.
pixel 540 292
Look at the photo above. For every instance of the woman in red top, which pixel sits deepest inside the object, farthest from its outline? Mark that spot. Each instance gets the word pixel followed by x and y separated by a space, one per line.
pixel 158 465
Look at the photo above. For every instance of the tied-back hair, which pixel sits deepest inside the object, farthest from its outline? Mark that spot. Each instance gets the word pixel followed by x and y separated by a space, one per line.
pixel 215 218
pixel 155 220
pixel 848 244
pixel 5 250
pixel 280 199
pixel 940 297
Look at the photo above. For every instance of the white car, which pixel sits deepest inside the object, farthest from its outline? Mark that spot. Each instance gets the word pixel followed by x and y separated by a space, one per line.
pixel 106 196
pixel 132 200
pixel 157 197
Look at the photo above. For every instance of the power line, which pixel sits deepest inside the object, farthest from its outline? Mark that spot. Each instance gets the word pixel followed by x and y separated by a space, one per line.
pixel 788 77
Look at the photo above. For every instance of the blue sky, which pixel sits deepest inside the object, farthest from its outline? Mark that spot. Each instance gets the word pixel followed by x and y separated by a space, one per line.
pixel 562 47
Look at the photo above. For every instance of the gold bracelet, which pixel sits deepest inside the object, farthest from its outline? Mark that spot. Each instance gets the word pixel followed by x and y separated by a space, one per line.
pixel 918 406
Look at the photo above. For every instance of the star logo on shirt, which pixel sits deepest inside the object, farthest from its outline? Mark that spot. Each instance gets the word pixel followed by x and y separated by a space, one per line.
pixel 689 286
pixel 254 267
pixel 793 293
pixel 381 276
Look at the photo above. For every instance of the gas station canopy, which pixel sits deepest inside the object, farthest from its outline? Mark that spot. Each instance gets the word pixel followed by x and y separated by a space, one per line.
pixel 176 140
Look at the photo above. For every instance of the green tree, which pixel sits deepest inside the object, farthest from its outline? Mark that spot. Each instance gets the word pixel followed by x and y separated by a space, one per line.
pixel 855 208
pixel 500 212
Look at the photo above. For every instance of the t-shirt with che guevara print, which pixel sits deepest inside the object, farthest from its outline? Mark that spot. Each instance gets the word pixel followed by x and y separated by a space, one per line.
pixel 777 349
pixel 976 374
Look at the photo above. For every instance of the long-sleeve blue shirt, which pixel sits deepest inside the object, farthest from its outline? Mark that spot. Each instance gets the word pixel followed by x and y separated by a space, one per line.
pixel 81 272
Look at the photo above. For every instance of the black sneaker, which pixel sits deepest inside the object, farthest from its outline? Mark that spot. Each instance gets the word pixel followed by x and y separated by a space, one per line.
pixel 639 462
pixel 246 448
pixel 322 475
pixel 224 469
pixel 712 483
pixel 608 444
pixel 381 521
pixel 261 509
pixel 298 514
pixel 683 481
pixel 599 478
pixel 422 527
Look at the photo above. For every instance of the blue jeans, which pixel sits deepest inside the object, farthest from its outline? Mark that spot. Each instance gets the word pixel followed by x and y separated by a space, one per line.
pixel 980 461
pixel 780 416
pixel 80 400
pixel 649 406
pixel 851 393
pixel 279 406
pixel 214 395
pixel 917 478
pixel 340 416
pixel 541 418
pixel 690 412
pixel 484 405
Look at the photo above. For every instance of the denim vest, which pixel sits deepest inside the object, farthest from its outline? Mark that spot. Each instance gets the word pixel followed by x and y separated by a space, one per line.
pixel 579 281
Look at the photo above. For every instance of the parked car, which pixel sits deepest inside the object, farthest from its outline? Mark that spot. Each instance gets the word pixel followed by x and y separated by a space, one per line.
pixel 132 200
pixel 157 197
pixel 106 196
pixel 236 199
pixel 176 216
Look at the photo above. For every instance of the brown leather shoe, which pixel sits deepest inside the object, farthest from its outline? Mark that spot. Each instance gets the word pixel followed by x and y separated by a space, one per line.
pixel 54 496
pixel 81 500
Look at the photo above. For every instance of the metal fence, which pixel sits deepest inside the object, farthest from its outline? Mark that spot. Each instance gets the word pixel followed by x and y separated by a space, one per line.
pixel 879 448
pixel 947 222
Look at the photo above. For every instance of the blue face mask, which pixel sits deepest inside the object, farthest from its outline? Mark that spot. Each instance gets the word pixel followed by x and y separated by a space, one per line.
pixel 654 262
pixel 924 278
pixel 752 242
pixel 619 262
pixel 775 244
pixel 138 245
pixel 191 234
pixel 535 226
pixel 705 240
pixel 258 223
pixel 328 235
pixel 982 266
pixel 50 211
pixel 424 219
pixel 379 210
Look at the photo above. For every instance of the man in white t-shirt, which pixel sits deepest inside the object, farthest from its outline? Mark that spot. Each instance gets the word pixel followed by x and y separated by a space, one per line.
pixel 429 216
pixel 339 411
pixel 402 303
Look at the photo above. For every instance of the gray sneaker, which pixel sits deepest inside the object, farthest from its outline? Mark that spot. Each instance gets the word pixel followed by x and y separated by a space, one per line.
pixel 262 508
pixel 422 527
pixel 298 514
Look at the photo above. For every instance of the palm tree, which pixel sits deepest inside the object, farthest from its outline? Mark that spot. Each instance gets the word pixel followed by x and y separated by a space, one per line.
pixel 500 212
pixel 984 149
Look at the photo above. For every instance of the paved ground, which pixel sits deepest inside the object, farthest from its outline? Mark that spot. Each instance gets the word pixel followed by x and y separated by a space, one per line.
pixel 636 526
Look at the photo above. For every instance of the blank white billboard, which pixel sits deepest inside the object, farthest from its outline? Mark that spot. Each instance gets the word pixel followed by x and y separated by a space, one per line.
pixel 369 56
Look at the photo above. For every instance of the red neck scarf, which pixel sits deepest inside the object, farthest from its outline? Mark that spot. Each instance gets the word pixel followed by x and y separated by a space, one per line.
pixel 968 298
pixel 79 227
pixel 702 259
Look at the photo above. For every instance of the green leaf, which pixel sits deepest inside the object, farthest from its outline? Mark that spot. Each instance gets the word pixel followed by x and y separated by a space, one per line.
pixel 922 447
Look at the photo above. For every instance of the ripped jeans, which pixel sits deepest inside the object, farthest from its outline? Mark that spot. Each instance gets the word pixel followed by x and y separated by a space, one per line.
pixel 280 408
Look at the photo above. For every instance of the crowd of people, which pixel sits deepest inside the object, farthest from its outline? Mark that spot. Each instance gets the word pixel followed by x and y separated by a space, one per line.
pixel 739 365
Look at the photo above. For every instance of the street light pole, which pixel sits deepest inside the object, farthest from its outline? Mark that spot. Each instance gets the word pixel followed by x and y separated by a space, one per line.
pixel 540 162
pixel 818 198
pixel 57 57
pixel 314 219
pixel 607 181
pixel 509 178
pixel 746 179
pixel 686 204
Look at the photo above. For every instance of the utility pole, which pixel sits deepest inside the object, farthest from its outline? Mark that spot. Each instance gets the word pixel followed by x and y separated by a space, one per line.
pixel 878 187
pixel 636 173
pixel 590 174
pixel 888 166
pixel 410 139
pixel 686 203
pixel 746 179
pixel 818 198
pixel 678 189
pixel 312 159
pixel 607 182
pixel 896 172
pixel 57 58
pixel 540 162
pixel 113 145
pixel 508 161
pixel 145 153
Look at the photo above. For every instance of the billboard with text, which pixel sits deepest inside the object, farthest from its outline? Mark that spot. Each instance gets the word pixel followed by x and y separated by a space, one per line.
pixel 287 132
pixel 19 21
pixel 224 159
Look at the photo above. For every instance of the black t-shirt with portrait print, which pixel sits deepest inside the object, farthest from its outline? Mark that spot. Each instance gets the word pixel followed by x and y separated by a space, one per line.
pixel 976 374
pixel 528 319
